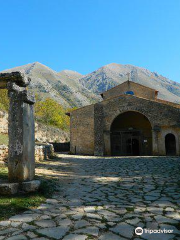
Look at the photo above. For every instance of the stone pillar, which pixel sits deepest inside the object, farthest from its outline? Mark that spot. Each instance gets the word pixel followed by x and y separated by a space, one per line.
pixel 98 130
pixel 21 162
pixel 155 143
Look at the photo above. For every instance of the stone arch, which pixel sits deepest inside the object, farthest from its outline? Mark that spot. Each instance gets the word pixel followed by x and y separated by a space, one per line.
pixel 131 134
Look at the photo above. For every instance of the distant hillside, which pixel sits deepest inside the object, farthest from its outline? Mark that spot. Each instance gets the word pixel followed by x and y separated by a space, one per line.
pixel 71 89
pixel 113 74
pixel 64 87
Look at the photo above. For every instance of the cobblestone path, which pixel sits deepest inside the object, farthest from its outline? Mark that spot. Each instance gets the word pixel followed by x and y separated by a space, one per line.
pixel 105 199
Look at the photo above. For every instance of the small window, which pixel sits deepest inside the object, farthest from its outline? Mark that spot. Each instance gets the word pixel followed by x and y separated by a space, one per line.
pixel 129 92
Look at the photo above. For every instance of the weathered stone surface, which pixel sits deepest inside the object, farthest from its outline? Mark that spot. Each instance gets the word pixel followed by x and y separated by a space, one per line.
pixel 9 188
pixel 88 230
pixel 56 232
pixel 81 223
pixel 21 162
pixel 24 218
pixel 18 237
pixel 30 186
pixel 17 77
pixel 45 223
pixel 124 229
pixel 75 237
pixel 110 236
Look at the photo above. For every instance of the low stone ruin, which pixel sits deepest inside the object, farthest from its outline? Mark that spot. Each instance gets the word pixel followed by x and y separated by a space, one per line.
pixel 42 152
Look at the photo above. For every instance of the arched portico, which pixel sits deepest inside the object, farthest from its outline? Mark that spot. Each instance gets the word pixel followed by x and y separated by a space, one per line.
pixel 131 134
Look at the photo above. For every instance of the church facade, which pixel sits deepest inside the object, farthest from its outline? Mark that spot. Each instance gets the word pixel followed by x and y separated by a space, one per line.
pixel 129 121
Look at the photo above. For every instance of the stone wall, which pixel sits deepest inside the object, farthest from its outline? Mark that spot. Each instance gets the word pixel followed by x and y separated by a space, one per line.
pixel 82 131
pixel 43 133
pixel 138 89
pixel 42 152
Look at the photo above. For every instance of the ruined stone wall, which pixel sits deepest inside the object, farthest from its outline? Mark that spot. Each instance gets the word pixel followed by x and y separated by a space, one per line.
pixel 42 152
pixel 163 118
pixel 139 91
pixel 43 133
pixel 82 131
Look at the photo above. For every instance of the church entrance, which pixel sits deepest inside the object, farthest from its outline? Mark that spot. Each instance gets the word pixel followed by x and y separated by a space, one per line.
pixel 131 135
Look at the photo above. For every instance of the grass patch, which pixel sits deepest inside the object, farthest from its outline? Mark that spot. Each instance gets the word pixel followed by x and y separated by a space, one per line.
pixel 4 173
pixel 4 139
pixel 11 205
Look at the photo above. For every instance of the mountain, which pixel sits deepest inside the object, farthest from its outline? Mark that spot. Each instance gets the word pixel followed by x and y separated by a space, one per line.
pixel 113 74
pixel 64 87
pixel 70 88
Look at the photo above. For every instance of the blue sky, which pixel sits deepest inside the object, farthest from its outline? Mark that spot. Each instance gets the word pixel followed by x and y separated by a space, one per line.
pixel 83 35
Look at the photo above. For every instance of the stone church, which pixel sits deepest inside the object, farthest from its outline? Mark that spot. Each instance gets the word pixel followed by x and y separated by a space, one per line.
pixel 129 121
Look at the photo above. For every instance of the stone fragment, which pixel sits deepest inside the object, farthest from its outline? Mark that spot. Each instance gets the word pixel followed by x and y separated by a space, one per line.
pixel 7 230
pixel 75 237
pixel 17 237
pixel 26 227
pixel 81 223
pixel 89 230
pixel 5 223
pixel 55 232
pixel 8 188
pixel 45 223
pixel 30 186
pixel 24 218
pixel 161 219
pixel 123 229
pixel 31 235
pixel 110 236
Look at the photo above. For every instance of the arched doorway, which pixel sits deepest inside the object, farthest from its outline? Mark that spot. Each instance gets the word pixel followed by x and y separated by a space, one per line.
pixel 131 135
pixel 170 143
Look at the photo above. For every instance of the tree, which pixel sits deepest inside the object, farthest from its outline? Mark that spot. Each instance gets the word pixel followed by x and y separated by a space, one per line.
pixel 51 113
pixel 4 100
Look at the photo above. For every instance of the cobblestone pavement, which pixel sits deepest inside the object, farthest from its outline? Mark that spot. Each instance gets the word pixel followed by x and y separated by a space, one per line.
pixel 105 199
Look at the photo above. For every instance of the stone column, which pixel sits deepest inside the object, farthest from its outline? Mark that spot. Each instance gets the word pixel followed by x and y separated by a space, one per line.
pixel 98 130
pixel 21 162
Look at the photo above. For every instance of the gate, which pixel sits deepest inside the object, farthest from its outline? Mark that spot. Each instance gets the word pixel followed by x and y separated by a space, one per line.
pixel 127 143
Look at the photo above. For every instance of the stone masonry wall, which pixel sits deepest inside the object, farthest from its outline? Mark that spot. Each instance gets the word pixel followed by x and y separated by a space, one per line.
pixel 82 130
pixel 42 152
pixel 139 91
pixel 43 133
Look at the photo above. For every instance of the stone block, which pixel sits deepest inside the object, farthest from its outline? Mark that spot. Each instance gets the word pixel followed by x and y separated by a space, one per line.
pixel 30 186
pixel 9 188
